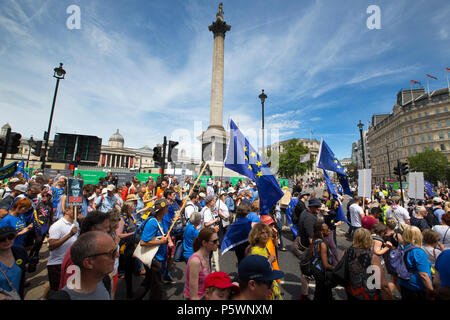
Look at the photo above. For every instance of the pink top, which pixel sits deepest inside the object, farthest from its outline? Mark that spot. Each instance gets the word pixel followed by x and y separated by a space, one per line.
pixel 201 279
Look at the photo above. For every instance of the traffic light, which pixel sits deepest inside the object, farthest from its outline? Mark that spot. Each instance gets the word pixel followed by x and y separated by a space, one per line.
pixel 13 143
pixel 404 168
pixel 2 144
pixel 36 148
pixel 157 155
pixel 396 171
pixel 173 153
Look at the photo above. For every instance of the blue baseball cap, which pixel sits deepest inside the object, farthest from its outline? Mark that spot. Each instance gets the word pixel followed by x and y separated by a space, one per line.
pixel 258 268
pixel 314 202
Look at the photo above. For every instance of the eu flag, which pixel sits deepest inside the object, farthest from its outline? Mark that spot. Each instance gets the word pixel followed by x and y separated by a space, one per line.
pixel 328 161
pixel 236 234
pixel 429 189
pixel 289 211
pixel 21 168
pixel 340 216
pixel 243 158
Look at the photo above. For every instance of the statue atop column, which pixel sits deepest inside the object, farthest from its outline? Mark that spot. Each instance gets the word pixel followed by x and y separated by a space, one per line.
pixel 219 15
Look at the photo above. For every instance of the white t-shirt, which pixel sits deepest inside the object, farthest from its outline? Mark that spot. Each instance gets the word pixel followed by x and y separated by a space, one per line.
pixel 189 209
pixel 207 215
pixel 401 213
pixel 443 231
pixel 355 215
pixel 226 213
pixel 57 231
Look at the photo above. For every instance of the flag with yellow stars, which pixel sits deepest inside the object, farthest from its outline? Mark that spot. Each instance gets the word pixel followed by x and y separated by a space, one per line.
pixel 242 158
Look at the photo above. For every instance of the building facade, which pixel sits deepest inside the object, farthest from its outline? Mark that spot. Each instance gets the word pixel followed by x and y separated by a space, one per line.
pixel 357 152
pixel 419 121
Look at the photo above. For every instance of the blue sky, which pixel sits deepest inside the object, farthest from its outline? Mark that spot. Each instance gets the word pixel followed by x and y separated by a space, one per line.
pixel 144 67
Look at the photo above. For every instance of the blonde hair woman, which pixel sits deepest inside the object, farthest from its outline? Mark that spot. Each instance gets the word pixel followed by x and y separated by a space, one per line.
pixel 258 238
pixel 419 285
pixel 360 257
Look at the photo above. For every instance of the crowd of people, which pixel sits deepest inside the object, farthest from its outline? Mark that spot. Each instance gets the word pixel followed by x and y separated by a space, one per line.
pixel 93 245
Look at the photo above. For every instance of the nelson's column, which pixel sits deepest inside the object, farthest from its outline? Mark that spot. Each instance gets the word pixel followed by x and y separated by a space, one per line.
pixel 214 139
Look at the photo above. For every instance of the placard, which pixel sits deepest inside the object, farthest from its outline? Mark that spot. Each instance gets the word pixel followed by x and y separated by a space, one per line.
pixel 365 183
pixel 74 192
pixel 416 186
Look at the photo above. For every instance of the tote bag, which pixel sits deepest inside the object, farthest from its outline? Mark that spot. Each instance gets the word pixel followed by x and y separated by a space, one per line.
pixel 146 254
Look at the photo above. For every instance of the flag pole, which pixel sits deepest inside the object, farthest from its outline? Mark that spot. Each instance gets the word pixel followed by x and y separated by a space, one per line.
pixel 412 97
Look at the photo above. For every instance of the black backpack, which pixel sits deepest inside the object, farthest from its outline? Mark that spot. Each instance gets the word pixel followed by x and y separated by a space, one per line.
pixel 431 218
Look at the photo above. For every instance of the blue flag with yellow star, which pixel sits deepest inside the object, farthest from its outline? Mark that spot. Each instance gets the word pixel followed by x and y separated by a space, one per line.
pixel 340 216
pixel 328 161
pixel 429 189
pixel 289 211
pixel 243 159
pixel 21 168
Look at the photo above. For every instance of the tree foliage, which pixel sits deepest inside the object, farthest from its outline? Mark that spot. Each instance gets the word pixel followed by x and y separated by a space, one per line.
pixel 432 163
pixel 289 162
pixel 352 172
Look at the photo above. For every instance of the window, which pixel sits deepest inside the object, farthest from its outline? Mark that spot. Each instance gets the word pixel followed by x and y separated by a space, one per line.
pixel 439 124
pixel 422 138
pixel 427 125
pixel 410 117
pixel 447 123
pixel 413 139
pixel 419 115
pixel 426 113
pixel 421 127
pixel 409 151
pixel 442 147
pixel 448 134
pixel 424 149
pixel 430 137
pixel 441 135
pixel 445 109
pixel 437 111
pixel 408 141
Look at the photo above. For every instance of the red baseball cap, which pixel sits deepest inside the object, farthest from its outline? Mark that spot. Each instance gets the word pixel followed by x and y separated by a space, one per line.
pixel 220 280
pixel 266 219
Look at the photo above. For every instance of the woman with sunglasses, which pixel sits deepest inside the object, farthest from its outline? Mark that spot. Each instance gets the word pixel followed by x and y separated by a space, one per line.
pixel 199 264
pixel 12 265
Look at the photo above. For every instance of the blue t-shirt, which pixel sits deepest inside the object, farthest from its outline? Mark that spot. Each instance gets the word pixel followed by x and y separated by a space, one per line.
pixel 84 207
pixel 17 223
pixel 442 266
pixel 438 213
pixel 253 217
pixel 14 275
pixel 416 261
pixel 167 219
pixel 107 203
pixel 151 230
pixel 190 233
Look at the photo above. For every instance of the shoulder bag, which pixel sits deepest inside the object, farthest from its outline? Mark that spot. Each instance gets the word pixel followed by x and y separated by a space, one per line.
pixel 146 254
pixel 10 295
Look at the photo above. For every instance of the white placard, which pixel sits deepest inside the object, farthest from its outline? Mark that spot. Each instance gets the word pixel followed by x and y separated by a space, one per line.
pixel 416 186
pixel 365 183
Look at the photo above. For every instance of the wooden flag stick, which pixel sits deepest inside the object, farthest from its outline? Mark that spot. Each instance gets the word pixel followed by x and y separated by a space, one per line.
pixel 185 200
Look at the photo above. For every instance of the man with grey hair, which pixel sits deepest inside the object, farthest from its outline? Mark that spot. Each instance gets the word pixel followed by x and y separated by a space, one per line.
pixel 94 254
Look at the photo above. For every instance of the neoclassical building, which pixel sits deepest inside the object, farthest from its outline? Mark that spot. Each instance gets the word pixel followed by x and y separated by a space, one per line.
pixel 418 121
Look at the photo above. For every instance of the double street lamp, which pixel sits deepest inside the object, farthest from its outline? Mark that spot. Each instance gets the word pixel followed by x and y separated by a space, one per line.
pixel 263 97
pixel 59 73
pixel 360 126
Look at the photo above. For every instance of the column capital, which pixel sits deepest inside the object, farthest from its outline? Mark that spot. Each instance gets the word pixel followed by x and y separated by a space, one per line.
pixel 219 28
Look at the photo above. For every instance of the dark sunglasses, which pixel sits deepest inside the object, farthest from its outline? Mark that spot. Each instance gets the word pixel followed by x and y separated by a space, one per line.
pixel 111 253
pixel 9 237
pixel 215 241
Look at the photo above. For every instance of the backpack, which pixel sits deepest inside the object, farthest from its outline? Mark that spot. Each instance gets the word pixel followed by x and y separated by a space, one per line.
pixel 431 218
pixel 139 230
pixel 307 261
pixel 396 262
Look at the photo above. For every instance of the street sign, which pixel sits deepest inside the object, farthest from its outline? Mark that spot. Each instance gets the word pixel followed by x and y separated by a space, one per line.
pixel 74 192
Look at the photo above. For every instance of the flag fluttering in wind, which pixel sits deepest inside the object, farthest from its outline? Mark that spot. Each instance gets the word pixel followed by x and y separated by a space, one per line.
pixel 429 189
pixel 21 168
pixel 289 212
pixel 305 158
pixel 243 158
pixel 328 161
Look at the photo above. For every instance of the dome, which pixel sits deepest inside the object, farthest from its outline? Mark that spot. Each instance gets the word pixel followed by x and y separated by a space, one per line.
pixel 6 126
pixel 116 140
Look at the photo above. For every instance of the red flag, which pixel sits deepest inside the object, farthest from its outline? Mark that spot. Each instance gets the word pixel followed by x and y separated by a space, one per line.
pixel 415 82
pixel 447 69
pixel 432 77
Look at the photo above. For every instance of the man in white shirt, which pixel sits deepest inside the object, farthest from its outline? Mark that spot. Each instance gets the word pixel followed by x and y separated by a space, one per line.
pixel 62 234
pixel 398 213
pixel 211 220
pixel 191 207
pixel 356 214
pixel 210 189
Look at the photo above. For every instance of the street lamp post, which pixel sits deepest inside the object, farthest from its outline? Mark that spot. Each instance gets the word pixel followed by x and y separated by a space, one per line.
pixel 59 74
pixel 389 162
pixel 360 126
pixel 30 142
pixel 263 97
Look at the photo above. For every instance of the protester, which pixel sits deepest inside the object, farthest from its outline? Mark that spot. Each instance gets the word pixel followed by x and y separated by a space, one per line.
pixel 258 238
pixel 13 261
pixel 218 286
pixel 154 235
pixel 443 230
pixel 360 257
pixel 380 246
pixel 419 286
pixel 254 216
pixel 371 219
pixel 199 264
pixel 433 248
pixel 323 262
pixel 418 218
pixel 190 233
pixel 356 215
pixel 256 278
pixel 443 271
pixel 437 208
pixel 108 201
pixel 400 215
pixel 94 253
pixel 224 215
pixel 15 219
pixel 191 205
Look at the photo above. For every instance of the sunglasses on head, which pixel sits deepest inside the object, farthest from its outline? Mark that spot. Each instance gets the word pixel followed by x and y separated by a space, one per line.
pixel 9 237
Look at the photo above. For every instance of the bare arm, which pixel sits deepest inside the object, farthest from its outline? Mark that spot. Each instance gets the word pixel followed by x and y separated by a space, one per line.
pixel 56 243
pixel 194 270
pixel 383 283
pixel 324 256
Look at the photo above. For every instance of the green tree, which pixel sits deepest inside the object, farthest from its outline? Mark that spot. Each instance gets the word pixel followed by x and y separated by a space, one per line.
pixel 432 163
pixel 352 172
pixel 289 162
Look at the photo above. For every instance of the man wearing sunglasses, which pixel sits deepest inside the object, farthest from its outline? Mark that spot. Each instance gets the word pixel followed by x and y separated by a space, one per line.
pixel 256 277
pixel 94 253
